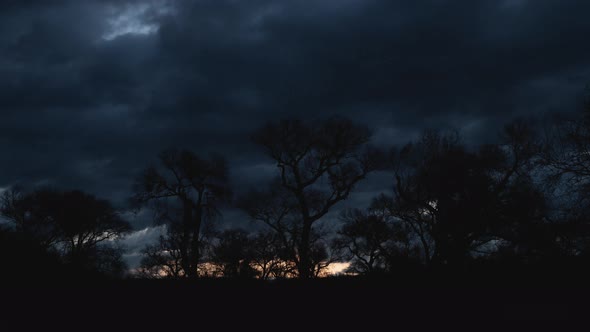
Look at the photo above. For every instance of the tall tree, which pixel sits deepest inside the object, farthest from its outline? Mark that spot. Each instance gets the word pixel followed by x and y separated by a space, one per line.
pixel 451 198
pixel 319 165
pixel 432 178
pixel 194 184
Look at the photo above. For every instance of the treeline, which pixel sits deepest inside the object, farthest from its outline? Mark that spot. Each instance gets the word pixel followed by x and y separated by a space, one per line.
pixel 53 235
pixel 522 201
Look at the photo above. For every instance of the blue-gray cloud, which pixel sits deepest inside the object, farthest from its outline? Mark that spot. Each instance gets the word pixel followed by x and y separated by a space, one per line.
pixel 92 90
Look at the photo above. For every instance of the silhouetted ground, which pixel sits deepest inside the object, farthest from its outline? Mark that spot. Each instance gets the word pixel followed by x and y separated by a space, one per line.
pixel 537 295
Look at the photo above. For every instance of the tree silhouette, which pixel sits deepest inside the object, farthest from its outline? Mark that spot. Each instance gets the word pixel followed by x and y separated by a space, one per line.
pixel 33 214
pixel 269 257
pixel 26 260
pixel 370 240
pixel 164 258
pixel 275 208
pixel 233 253
pixel 193 184
pixel 91 222
pixel 454 200
pixel 319 164
pixel 73 223
pixel 566 156
pixel 431 179
pixel 565 159
pixel 523 225
pixel 519 200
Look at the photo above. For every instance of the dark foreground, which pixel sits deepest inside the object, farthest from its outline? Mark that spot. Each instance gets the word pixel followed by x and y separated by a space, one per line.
pixel 505 297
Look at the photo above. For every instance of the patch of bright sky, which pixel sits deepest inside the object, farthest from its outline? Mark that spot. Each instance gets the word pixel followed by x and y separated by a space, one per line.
pixel 136 18
pixel 337 268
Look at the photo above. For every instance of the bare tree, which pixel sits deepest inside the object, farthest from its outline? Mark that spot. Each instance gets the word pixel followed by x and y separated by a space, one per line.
pixel 363 239
pixel 319 165
pixel 565 159
pixel 267 256
pixel 275 208
pixel 163 259
pixel 566 156
pixel 197 185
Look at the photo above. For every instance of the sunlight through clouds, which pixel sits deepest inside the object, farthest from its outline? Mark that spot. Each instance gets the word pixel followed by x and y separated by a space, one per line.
pixel 136 19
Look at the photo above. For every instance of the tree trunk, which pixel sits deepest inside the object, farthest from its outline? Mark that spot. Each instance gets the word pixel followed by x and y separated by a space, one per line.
pixel 184 248
pixel 304 267
pixel 195 244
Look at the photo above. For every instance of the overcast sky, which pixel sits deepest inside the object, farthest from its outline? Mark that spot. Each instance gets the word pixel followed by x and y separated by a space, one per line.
pixel 91 91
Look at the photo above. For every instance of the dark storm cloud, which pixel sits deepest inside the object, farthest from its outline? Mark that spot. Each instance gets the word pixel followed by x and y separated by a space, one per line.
pixel 441 62
pixel 90 91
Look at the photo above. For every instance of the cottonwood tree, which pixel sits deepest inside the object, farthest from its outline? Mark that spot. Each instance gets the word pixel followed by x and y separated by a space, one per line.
pixel 319 164
pixel 193 184
pixel 420 170
pixel 452 199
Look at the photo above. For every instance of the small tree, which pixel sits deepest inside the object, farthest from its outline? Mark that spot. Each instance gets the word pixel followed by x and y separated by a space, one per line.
pixel 233 253
pixel 268 256
pixel 78 225
pixel 363 239
pixel 163 259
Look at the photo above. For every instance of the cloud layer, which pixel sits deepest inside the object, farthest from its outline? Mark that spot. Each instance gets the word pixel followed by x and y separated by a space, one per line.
pixel 92 90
